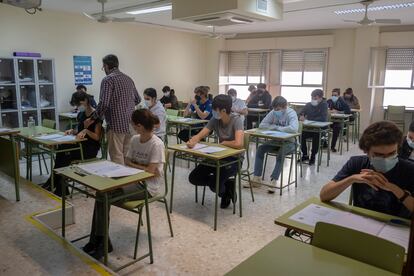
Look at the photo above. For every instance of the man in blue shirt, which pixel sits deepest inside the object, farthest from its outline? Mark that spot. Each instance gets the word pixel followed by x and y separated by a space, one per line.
pixel 337 104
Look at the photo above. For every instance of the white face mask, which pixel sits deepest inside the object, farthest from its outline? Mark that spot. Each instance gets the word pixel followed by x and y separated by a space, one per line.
pixel 166 94
pixel 410 143
pixel 148 103
pixel 314 102
pixel 233 98
pixel 81 108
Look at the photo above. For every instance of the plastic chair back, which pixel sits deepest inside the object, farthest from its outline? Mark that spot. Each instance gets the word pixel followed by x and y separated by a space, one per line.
pixel 172 112
pixel 49 123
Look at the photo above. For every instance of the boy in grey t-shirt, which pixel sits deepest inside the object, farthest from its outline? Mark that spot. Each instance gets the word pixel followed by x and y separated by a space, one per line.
pixel 229 129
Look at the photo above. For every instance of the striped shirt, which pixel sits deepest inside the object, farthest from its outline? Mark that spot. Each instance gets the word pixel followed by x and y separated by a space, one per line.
pixel 117 101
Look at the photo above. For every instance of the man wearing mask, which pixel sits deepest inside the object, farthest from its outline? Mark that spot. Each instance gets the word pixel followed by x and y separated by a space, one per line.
pixel 238 105
pixel 336 104
pixel 117 101
pixel 380 180
pixel 261 99
pixel 169 100
pixel 316 110
pixel 407 148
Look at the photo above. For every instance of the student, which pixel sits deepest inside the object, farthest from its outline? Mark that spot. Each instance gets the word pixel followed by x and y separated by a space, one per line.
pixel 261 99
pixel 238 105
pixel 252 89
pixel 229 129
pixel 336 104
pixel 91 132
pixel 200 107
pixel 82 88
pixel 380 180
pixel 282 118
pixel 150 97
pixel 407 148
pixel 351 99
pixel 169 100
pixel 146 152
pixel 316 110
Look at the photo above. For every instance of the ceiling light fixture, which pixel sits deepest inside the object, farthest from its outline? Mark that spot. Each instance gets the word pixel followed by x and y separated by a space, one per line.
pixel 377 8
pixel 151 10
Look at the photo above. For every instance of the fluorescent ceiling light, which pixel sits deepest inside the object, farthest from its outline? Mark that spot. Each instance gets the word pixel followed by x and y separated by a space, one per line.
pixel 377 8
pixel 151 10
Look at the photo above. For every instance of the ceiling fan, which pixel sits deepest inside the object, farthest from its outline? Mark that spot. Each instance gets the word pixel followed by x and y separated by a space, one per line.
pixel 366 21
pixel 102 18
pixel 215 35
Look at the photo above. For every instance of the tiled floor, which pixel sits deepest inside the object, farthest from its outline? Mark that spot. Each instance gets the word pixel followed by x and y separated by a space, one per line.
pixel 195 248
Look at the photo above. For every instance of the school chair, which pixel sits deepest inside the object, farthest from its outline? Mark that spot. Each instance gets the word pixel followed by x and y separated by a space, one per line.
pixel 396 114
pixel 171 112
pixel 359 246
pixel 137 206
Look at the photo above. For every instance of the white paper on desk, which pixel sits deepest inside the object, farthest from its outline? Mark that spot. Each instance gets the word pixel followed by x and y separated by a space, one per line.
pixel 196 147
pixel 397 234
pixel 314 213
pixel 70 114
pixel 360 223
pixel 66 138
pixel 50 136
pixel 184 119
pixel 211 149
pixel 275 133
pixel 4 129
pixel 108 169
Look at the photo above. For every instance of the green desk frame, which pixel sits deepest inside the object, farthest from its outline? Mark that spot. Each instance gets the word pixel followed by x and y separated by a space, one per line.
pixel 321 130
pixel 343 119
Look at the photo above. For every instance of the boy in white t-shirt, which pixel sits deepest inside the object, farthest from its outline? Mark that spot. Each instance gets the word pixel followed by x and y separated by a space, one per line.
pixel 146 152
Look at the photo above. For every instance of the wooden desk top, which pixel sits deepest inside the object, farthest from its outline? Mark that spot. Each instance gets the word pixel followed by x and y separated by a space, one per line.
pixel 228 152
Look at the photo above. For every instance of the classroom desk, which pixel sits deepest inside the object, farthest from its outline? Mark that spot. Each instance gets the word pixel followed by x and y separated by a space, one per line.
pixel 260 113
pixel 343 119
pixel 187 123
pixel 281 140
pixel 309 230
pixel 285 256
pixel 322 128
pixel 215 160
pixel 9 158
pixel 105 185
pixel 357 124
pixel 71 117
pixel 50 146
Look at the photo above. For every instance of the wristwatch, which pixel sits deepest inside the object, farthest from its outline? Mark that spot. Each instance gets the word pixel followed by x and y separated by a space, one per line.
pixel 405 195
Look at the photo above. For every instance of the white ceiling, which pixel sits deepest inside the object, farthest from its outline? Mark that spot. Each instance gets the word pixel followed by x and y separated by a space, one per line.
pixel 320 15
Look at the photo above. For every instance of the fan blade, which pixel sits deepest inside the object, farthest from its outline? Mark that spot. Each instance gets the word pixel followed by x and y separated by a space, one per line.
pixel 125 19
pixel 351 21
pixel 89 16
pixel 388 21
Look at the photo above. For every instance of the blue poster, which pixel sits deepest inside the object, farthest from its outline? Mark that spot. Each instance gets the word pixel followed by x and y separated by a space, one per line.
pixel 83 69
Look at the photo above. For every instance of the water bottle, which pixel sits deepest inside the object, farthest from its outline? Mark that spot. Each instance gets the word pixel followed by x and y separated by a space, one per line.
pixel 31 124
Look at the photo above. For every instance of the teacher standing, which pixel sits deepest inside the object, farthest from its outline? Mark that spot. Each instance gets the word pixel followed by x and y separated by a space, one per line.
pixel 117 101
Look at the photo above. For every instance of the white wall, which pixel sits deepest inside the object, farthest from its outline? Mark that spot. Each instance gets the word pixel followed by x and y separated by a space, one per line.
pixel 152 56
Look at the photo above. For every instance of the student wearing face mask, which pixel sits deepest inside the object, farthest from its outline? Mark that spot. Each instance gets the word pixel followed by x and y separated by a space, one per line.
pixel 156 108
pixel 238 105
pixel 407 148
pixel 200 108
pixel 351 99
pixel 284 119
pixel 380 180
pixel 91 132
pixel 229 129
pixel 336 104
pixel 169 100
pixel 316 110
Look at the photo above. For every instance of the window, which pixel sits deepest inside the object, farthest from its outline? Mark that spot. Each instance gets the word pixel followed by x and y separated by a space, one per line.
pixel 399 77
pixel 302 72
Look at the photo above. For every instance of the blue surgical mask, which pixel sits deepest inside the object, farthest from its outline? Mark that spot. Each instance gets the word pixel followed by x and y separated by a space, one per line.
pixel 81 108
pixel 384 165
pixel 314 102
pixel 148 103
pixel 216 115
pixel 410 143
pixel 278 113
pixel 334 98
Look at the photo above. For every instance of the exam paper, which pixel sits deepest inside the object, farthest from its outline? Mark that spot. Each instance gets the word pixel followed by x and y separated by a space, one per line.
pixel 67 138
pixel 396 234
pixel 108 169
pixel 314 213
pixel 211 149
pixel 50 136
pixel 276 133
pixel 196 147
pixel 183 119
pixel 4 129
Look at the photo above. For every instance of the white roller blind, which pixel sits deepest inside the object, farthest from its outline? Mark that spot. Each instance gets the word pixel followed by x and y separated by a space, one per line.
pixel 292 61
pixel 400 59
pixel 238 64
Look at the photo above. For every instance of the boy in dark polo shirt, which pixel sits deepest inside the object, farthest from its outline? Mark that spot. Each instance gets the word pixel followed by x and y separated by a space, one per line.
pixel 380 180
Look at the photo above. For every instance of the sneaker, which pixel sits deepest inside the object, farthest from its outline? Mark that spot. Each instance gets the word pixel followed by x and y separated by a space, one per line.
pixel 305 158
pixel 98 253
pixel 89 247
pixel 333 150
pixel 272 189
pixel 312 161
pixel 256 182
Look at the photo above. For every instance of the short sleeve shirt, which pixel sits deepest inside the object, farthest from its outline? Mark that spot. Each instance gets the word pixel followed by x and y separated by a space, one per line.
pixel 382 201
pixel 205 107
pixel 151 151
pixel 226 132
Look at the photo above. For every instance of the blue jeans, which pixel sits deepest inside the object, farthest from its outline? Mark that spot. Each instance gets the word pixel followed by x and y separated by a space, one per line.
pixel 281 151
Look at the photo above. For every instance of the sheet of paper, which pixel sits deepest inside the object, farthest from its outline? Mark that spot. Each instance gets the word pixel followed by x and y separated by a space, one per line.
pixel 67 138
pixel 108 169
pixel 314 213
pixel 4 129
pixel 276 133
pixel 50 136
pixel 398 234
pixel 360 223
pixel 70 114
pixel 196 147
pixel 315 123
pixel 184 119
pixel 211 149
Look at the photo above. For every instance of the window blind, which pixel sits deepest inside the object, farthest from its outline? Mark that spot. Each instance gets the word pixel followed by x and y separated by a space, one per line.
pixel 238 64
pixel 314 61
pixel 400 59
pixel 256 64
pixel 292 61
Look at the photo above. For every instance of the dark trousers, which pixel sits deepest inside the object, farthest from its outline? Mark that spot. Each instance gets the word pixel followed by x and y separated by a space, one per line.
pixel 98 223
pixel 184 134
pixel 315 143
pixel 249 121
pixel 336 129
pixel 204 175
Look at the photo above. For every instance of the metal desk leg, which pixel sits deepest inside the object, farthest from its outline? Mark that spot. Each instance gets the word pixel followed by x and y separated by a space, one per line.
pixel 52 179
pixel 320 151
pixel 282 164
pixel 148 225
pixel 329 148
pixel 341 138
pixel 106 227
pixel 296 163
pixel 172 182
pixel 347 136
pixel 217 191
pixel 240 189
pixel 16 169
pixel 63 207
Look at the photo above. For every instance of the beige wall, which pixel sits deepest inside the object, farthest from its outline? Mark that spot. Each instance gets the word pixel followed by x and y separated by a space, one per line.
pixel 152 56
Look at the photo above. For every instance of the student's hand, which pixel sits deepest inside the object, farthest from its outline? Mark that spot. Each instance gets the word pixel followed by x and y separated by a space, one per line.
pixel 191 143
pixel 168 105
pixel 69 132
pixel 81 134
pixel 334 111
pixel 378 179
pixel 88 122
pixel 194 102
pixel 302 118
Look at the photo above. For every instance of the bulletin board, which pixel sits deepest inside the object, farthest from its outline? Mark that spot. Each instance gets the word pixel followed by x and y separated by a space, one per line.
pixel 83 70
